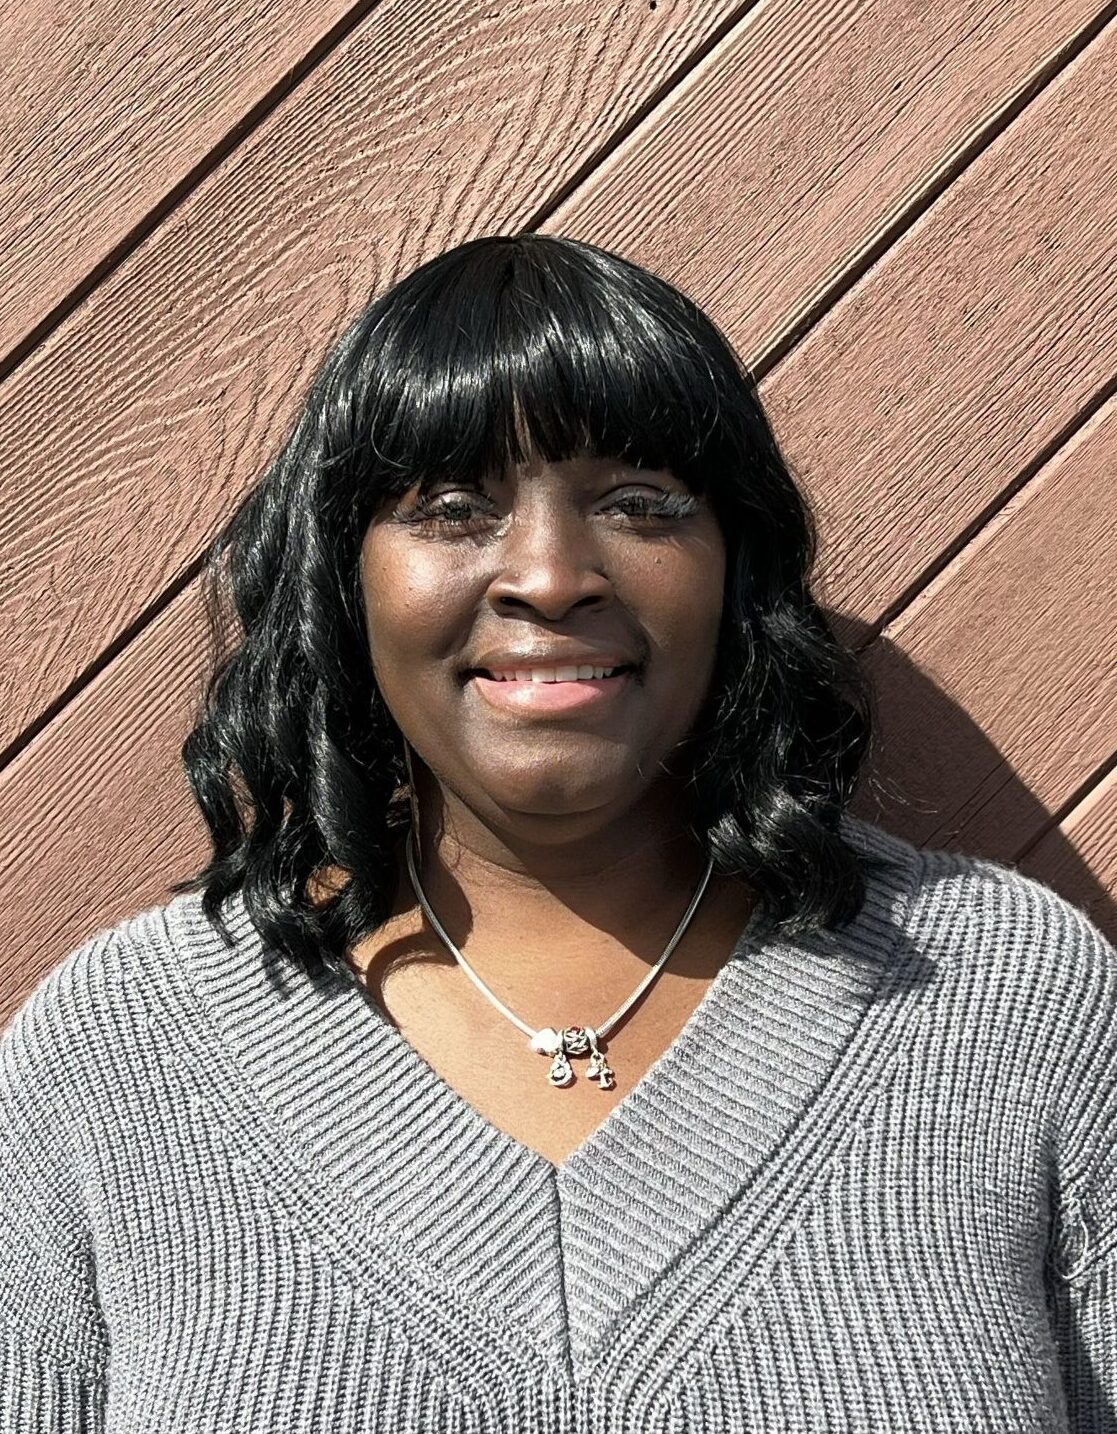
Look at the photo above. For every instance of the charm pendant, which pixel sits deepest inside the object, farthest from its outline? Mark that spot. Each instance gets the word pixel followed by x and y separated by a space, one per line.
pixel 572 1041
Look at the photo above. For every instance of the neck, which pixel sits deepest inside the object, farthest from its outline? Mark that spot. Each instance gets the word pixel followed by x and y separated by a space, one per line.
pixel 616 893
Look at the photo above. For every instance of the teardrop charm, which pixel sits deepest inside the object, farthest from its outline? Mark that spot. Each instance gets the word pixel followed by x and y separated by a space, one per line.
pixel 560 1072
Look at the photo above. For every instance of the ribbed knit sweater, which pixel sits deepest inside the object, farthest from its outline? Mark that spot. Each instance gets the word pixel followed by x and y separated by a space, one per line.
pixel 871 1185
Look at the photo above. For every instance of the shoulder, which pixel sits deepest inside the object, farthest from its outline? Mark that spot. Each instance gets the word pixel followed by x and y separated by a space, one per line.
pixel 1018 975
pixel 75 1062
pixel 88 1018
pixel 995 917
pixel 1007 952
pixel 974 908
pixel 1032 978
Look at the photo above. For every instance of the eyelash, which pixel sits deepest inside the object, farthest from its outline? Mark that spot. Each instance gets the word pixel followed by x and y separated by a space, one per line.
pixel 664 507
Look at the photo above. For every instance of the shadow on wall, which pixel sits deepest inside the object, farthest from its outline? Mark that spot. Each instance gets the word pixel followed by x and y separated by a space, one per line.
pixel 938 779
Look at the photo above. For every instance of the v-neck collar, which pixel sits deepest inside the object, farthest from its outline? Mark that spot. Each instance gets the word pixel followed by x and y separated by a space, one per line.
pixel 336 1097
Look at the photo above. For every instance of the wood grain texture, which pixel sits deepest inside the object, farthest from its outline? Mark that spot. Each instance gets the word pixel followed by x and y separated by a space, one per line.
pixel 971 346
pixel 108 108
pixel 96 817
pixel 172 384
pixel 998 686
pixel 803 139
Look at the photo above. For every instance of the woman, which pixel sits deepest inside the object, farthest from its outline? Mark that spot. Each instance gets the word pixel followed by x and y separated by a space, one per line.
pixel 548 1047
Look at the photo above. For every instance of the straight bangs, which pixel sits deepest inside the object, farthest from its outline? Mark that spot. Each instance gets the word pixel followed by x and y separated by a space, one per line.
pixel 482 360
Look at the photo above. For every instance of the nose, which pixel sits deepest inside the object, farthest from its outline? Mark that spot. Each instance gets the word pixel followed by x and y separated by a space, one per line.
pixel 550 563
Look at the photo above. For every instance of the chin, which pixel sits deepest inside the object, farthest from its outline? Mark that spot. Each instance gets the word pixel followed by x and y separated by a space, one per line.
pixel 546 799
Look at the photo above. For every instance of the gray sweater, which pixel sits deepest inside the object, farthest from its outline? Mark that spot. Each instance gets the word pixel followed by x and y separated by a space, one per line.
pixel 872 1185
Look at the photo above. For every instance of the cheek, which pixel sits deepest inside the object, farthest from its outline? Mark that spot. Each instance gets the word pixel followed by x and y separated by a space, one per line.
pixel 683 604
pixel 411 601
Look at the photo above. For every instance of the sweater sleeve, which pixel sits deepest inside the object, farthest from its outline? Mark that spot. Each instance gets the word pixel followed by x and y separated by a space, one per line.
pixel 1086 1321
pixel 1083 1255
pixel 52 1339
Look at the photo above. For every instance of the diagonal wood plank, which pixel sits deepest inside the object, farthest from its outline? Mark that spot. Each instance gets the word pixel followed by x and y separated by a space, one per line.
pixel 998 686
pixel 96 818
pixel 971 347
pixel 420 138
pixel 111 106
pixel 792 148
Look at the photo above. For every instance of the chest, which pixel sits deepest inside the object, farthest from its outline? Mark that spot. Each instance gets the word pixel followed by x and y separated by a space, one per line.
pixel 728 1233
pixel 484 1061
pixel 487 1061
pixel 640 1283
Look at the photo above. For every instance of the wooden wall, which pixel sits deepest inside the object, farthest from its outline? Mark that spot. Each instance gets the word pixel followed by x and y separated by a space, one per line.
pixel 903 216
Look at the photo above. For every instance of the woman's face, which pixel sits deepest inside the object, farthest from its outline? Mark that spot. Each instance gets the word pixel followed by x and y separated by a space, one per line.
pixel 589 562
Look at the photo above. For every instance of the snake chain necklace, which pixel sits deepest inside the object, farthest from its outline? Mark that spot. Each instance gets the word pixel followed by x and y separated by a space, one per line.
pixel 566 1041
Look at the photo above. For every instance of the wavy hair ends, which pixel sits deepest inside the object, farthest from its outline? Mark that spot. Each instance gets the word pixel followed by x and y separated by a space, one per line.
pixel 505 348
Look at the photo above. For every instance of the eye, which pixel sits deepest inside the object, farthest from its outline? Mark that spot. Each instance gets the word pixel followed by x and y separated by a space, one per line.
pixel 661 505
pixel 452 508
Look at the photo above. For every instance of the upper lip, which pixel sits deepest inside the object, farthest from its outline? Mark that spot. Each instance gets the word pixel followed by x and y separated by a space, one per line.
pixel 506 660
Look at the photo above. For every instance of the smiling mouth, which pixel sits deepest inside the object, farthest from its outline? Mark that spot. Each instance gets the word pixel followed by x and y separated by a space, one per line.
pixel 552 675
pixel 550 695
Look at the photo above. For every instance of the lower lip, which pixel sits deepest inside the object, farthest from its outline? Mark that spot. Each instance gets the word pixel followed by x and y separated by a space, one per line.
pixel 550 697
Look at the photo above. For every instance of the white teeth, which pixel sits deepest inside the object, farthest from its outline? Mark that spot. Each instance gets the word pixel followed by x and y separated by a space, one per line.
pixel 553 674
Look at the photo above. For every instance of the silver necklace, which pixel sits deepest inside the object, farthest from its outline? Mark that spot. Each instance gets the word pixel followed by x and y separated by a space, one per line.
pixel 566 1041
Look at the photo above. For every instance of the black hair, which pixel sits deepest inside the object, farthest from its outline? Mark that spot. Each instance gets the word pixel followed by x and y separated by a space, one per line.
pixel 500 349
